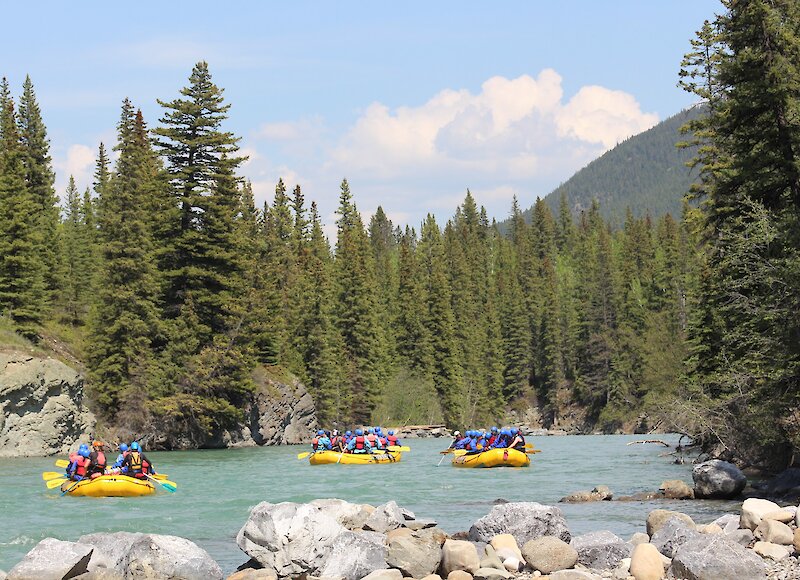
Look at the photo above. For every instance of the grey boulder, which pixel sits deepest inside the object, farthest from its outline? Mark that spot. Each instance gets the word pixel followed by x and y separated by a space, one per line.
pixel 386 517
pixel 548 554
pixel 155 556
pixel 355 555
pixel 523 520
pixel 110 549
pixel 53 559
pixel 713 557
pixel 417 555
pixel 717 479
pixel 657 518
pixel 673 534
pixel 601 550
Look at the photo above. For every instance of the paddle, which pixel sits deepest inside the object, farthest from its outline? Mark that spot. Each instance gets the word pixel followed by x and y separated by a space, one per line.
pixel 62 463
pixel 168 485
pixel 70 488
pixel 533 451
pixel 51 475
pixel 340 458
pixel 56 483
pixel 399 448
pixel 304 454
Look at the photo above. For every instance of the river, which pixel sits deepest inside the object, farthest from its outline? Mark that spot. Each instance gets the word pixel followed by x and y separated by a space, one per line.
pixel 217 488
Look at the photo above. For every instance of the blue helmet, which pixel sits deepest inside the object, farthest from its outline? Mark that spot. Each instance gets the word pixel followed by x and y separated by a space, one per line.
pixel 391 432
pixel 82 447
pixel 359 432
pixel 320 432
pixel 84 452
pixel 123 447
pixel 370 430
pixel 348 433
pixel 514 430
pixel 505 432
pixel 494 429
pixel 134 446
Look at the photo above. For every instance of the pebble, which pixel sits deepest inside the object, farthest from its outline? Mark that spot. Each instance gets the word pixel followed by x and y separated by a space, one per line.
pixel 786 569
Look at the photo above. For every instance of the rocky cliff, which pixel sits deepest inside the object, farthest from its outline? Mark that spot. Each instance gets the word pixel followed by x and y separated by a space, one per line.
pixel 41 406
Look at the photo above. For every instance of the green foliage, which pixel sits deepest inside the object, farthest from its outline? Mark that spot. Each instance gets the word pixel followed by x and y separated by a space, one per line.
pixel 409 399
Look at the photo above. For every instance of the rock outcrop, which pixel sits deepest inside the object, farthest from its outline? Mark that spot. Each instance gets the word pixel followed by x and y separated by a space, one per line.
pixel 42 411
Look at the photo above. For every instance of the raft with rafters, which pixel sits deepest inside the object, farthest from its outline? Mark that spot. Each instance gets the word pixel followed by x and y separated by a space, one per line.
pixel 327 457
pixel 493 458
pixel 109 486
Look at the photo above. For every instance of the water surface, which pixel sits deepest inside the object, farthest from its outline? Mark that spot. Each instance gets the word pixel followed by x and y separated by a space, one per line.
pixel 217 488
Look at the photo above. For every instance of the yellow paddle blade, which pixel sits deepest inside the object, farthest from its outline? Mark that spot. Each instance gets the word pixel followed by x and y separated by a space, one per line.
pixel 399 448
pixel 446 451
pixel 51 475
pixel 459 452
pixel 55 483
pixel 167 482
pixel 161 476
pixel 62 463
pixel 529 446
pixel 303 455
pixel 533 451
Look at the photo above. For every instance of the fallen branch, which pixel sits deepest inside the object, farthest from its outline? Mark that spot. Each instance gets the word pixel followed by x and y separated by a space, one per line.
pixel 659 441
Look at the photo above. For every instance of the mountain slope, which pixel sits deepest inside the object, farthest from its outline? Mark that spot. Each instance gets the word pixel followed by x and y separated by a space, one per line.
pixel 645 172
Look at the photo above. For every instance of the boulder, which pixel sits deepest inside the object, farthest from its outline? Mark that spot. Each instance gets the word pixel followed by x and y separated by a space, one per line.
pixel 787 482
pixel 350 515
pixel 158 556
pixel 741 537
pixel 459 575
pixel 646 563
pixel 490 558
pixel 796 540
pixel 639 538
pixel 42 410
pixel 253 574
pixel 600 550
pixel 289 538
pixel 391 535
pixel 354 555
pixel 548 554
pixel 676 489
pixel 599 493
pixel 110 549
pixel 52 559
pixel 100 574
pixel 710 529
pixel 728 523
pixel 421 524
pixel 523 520
pixel 775 532
pixel 506 546
pixel 713 558
pixel 491 574
pixel 513 564
pixel 784 516
pixel 673 534
pixel 415 555
pixel 772 551
pixel 432 577
pixel 753 509
pixel 384 575
pixel 385 517
pixel 459 555
pixel 718 479
pixel 657 518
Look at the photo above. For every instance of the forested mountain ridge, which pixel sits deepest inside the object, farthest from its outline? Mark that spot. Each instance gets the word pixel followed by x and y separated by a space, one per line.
pixel 646 173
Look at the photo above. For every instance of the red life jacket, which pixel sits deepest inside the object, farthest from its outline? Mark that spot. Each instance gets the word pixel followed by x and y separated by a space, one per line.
pixel 491 440
pixel 315 443
pixel 81 465
pixel 372 439
pixel 100 461
pixel 360 443
pixel 391 439
pixel 383 441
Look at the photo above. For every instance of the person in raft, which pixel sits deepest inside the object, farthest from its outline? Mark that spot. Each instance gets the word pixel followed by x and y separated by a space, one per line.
pixel 123 453
pixel 137 464
pixel 97 459
pixel 392 440
pixel 321 442
pixel 517 441
pixel 79 468
pixel 359 443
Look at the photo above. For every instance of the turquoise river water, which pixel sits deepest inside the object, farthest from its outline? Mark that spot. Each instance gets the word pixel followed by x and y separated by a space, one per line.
pixel 217 488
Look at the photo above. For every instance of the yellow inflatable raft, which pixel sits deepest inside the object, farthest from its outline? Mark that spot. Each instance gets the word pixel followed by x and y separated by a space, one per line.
pixel 323 457
pixel 109 486
pixel 493 458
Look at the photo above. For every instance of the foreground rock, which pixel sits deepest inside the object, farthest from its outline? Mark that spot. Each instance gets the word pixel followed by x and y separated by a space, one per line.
pixel 712 558
pixel 753 510
pixel 646 563
pixel 41 406
pixel 53 559
pixel 549 554
pixel 657 518
pixel 524 520
pixel 718 479
pixel 601 550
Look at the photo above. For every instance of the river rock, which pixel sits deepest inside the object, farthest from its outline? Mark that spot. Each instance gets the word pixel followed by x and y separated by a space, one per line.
pixel 384 575
pixel 673 534
pixel 709 529
pixel 646 563
pixel 657 518
pixel 350 515
pixel 432 577
pixel 741 537
pixel 639 538
pixel 574 575
pixel 713 558
pixel 490 558
pixel 52 559
pixel 513 564
pixel 42 410
pixel 157 556
pixel 600 550
pixel 110 549
pixel 491 574
pixel 753 509
pixel 355 555
pixel 506 546
pixel 415 555
pixel 523 520
pixel 717 479
pixel 289 538
pixel 787 482
pixel 728 523
pixel 784 516
pixel 103 574
pixel 771 550
pixel 421 524
pixel 253 574
pixel 775 532
pixel 459 575
pixel 599 493
pixel 676 489
pixel 385 517
pixel 459 555
pixel 548 554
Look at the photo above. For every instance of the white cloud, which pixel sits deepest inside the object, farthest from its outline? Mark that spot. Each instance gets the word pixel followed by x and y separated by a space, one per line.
pixel 79 163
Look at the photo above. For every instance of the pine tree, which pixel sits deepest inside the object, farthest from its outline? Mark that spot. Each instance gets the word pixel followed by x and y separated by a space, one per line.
pixel 22 290
pixel 73 293
pixel 39 177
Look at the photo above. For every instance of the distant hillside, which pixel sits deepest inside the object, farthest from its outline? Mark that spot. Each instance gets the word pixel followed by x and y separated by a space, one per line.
pixel 646 173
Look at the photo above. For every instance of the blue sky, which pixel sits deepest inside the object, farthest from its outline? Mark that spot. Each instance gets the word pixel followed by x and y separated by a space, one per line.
pixel 413 102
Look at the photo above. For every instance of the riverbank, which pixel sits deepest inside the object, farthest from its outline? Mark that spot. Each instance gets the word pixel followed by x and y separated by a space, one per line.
pixel 332 538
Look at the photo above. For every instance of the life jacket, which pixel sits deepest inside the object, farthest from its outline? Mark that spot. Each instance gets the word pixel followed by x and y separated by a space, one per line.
pixel 136 462
pixel 372 439
pixel 99 462
pixel 391 439
pixel 315 443
pixel 81 466
pixel 360 443
pixel 491 441
pixel 521 444
pixel 383 441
